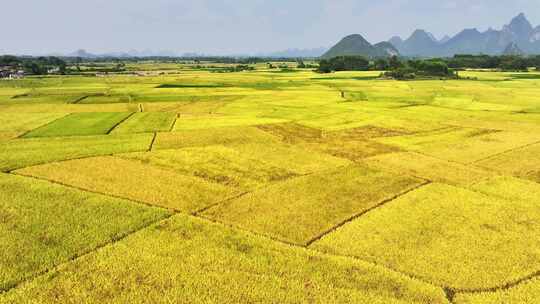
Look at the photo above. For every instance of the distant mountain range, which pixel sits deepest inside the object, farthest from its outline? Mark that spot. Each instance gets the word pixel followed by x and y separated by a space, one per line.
pixel 296 53
pixel 519 34
pixel 290 53
pixel 133 53
pixel 517 37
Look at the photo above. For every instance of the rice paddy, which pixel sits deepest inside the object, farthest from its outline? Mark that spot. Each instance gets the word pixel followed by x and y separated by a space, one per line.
pixel 187 186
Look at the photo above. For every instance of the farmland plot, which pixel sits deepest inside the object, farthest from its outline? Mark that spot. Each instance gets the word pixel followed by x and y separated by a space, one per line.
pixel 463 145
pixel 217 136
pixel 446 235
pixel 21 153
pixel 146 122
pixel 243 166
pixel 302 208
pixel 429 168
pixel 301 187
pixel 134 180
pixel 78 124
pixel 187 260
pixel 43 225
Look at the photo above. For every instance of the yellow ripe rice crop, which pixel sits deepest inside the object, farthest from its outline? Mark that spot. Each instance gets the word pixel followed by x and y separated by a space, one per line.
pixel 187 260
pixel 134 180
pixel 304 207
pixel 448 236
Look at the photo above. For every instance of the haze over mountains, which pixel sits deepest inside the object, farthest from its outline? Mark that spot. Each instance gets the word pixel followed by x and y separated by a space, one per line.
pixel 519 33
pixel 517 37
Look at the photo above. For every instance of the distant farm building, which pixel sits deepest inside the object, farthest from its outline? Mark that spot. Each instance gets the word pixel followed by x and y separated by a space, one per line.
pixel 10 73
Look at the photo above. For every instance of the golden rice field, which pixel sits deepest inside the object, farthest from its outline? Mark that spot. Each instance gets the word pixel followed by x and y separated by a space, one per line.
pixel 269 187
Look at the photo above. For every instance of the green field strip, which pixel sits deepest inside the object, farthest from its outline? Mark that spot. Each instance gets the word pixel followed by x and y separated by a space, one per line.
pixel 46 224
pixel 244 265
pixel 79 124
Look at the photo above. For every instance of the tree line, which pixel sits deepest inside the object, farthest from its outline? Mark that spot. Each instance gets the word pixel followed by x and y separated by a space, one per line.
pixel 436 67
pixel 34 65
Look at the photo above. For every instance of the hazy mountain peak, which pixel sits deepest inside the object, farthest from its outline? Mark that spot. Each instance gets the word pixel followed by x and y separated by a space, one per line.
pixel 356 38
pixel 355 44
pixel 520 27
pixel 388 48
pixel 422 34
pixel 82 53
pixel 396 41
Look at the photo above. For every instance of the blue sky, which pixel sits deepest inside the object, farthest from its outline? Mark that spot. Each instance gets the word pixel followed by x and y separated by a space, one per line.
pixel 236 26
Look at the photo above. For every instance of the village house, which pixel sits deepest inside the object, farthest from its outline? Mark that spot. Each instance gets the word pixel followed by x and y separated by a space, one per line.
pixel 8 72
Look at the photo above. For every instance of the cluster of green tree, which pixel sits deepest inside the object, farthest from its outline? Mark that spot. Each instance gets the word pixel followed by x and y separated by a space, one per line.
pixel 115 66
pixel 234 60
pixel 233 69
pixel 8 60
pixel 344 63
pixel 411 69
pixel 396 68
pixel 506 62
pixel 303 65
pixel 35 65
